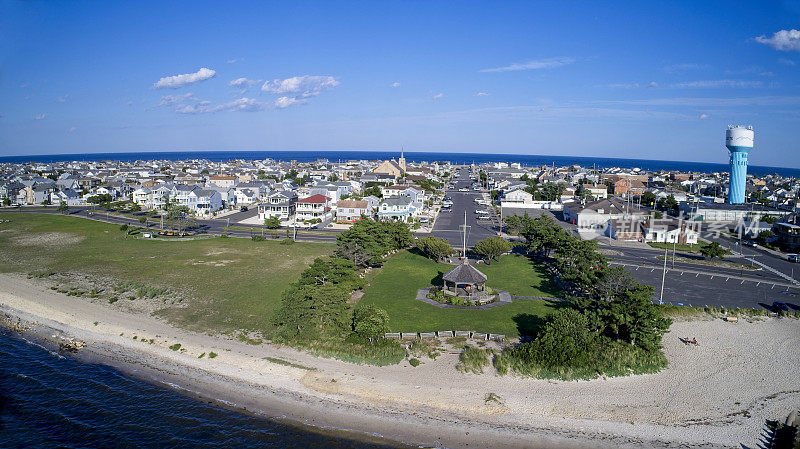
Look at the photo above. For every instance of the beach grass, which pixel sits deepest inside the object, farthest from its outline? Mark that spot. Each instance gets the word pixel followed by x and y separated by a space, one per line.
pixel 394 289
pixel 225 283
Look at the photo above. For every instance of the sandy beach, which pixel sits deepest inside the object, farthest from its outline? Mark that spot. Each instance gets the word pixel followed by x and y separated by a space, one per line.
pixel 718 394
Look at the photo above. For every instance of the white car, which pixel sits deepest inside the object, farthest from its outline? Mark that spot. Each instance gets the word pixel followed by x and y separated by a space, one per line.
pixel 480 212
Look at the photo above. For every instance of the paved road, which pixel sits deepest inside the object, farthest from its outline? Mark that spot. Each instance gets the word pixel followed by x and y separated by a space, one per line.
pixel 214 227
pixel 448 224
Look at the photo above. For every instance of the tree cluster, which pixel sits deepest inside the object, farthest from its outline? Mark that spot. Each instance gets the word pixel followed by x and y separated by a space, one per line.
pixel 367 242
pixel 611 326
pixel 434 247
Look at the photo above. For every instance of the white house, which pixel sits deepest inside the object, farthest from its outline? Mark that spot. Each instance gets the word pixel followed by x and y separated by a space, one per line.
pixel 396 209
pixel 315 207
pixel 595 214
pixel 520 199
pixel 351 211
pixel 278 204
pixel 671 231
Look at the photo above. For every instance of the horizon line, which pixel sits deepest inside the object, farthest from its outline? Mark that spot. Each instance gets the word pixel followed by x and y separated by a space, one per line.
pixel 377 151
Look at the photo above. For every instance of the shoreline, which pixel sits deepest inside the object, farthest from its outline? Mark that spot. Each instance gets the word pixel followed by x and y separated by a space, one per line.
pixel 433 405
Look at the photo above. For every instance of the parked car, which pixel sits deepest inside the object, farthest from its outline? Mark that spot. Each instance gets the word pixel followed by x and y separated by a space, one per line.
pixel 243 208
pixel 793 258
pixel 780 306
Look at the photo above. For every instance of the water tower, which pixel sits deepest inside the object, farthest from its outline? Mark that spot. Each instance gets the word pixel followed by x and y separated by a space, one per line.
pixel 739 140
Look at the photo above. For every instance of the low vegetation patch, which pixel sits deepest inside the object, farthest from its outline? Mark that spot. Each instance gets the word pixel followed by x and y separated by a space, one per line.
pixel 288 363
pixel 474 360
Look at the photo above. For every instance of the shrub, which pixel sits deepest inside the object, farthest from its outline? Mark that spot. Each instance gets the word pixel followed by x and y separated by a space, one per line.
pixel 287 242
pixel 175 347
pixel 458 301
pixel 473 360
pixel 258 238
pixel 414 362
pixel 212 354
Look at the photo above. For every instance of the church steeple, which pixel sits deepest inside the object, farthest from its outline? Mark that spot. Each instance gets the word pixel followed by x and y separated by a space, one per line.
pixel 402 161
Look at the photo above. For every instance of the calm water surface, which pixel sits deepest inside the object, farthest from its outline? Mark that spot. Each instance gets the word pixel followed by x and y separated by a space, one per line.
pixel 51 401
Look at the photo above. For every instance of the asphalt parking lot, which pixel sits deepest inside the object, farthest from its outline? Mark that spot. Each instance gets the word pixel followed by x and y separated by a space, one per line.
pixel 448 224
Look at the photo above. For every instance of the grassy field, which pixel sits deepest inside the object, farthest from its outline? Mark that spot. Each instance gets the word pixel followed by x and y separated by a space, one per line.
pixel 226 283
pixel 683 247
pixel 394 289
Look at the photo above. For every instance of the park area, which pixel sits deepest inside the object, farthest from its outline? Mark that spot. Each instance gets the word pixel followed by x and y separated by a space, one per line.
pixel 221 284
pixel 394 289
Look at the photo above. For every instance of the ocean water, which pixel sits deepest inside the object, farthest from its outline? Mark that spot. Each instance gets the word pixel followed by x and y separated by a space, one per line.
pixel 457 158
pixel 51 401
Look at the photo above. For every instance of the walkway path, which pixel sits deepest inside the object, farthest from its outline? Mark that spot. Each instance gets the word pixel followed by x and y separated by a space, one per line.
pixel 503 298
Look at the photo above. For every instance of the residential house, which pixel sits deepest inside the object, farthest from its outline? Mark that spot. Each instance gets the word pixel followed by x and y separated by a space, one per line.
pixel 351 211
pixel 279 204
pixel 681 232
pixel 222 181
pixel 627 186
pixel 595 214
pixel 315 207
pixel 68 196
pixel 598 192
pixel 396 209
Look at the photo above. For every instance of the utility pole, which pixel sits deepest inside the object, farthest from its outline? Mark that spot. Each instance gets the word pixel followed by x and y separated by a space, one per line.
pixel 464 228
pixel 674 244
pixel 663 278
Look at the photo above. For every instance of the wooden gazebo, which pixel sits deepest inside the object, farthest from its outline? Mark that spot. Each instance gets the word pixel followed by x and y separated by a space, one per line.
pixel 466 281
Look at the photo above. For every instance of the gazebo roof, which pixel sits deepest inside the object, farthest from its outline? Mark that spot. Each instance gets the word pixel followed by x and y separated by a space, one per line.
pixel 464 274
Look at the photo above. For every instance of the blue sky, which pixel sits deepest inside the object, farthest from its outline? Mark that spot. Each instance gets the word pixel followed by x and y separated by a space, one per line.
pixel 618 79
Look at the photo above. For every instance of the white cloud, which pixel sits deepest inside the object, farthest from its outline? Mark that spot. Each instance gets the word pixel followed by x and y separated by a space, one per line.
pixel 169 100
pixel 788 62
pixel 242 104
pixel 285 102
pixel 174 82
pixel 304 86
pixel 72 129
pixel 482 94
pixel 548 63
pixel 784 40
pixel 713 84
pixel 231 61
pixel 684 67
pixel 633 85
pixel 438 96
pixel 204 107
pixel 396 84
pixel 243 83
pixel 703 116
pixel 63 98
pixel 709 102
pixel 40 117
pixel 767 74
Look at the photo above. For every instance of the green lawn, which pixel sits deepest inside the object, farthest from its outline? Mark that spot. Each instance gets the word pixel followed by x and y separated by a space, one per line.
pixel 683 247
pixel 227 283
pixel 394 289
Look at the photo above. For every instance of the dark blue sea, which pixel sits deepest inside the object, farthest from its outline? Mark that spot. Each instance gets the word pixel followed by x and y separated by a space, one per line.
pixel 51 401
pixel 457 158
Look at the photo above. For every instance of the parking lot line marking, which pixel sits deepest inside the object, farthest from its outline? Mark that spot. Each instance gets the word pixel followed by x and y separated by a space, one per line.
pixel 741 282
